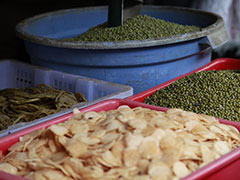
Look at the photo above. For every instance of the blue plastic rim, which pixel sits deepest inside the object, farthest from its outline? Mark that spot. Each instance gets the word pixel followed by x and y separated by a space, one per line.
pixel 138 64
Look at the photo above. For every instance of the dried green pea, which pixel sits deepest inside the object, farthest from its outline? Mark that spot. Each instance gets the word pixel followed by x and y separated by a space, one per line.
pixel 215 93
pixel 140 27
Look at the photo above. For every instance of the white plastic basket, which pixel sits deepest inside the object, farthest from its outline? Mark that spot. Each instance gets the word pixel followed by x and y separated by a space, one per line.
pixel 16 74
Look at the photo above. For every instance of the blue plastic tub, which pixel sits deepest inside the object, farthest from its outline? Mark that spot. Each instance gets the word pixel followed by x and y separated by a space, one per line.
pixel 140 64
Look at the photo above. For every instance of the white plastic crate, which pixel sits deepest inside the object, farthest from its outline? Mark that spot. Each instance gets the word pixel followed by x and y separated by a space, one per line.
pixel 16 74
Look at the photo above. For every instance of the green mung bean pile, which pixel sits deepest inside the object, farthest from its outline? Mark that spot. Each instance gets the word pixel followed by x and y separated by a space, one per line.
pixel 215 93
pixel 140 27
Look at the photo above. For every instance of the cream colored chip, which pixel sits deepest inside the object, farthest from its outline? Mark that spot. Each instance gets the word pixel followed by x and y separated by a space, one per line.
pixel 38 175
pixel 180 169
pixel 6 167
pixel 191 165
pixel 224 127
pixel 89 140
pixel 149 115
pixel 52 146
pixel 122 118
pixel 105 121
pixel 232 129
pixel 92 116
pixel 137 124
pixel 21 156
pixel 233 133
pixel 210 135
pixel 121 144
pixel 172 155
pixel 191 152
pixel 98 134
pixel 134 140
pixel 117 151
pixel 143 165
pixel 32 154
pixel 104 147
pixel 19 164
pixel 113 125
pixel 59 157
pixel 91 172
pixel 76 112
pixel 107 138
pixel 104 163
pixel 160 170
pixel 200 129
pixel 191 124
pixel 159 134
pixel 168 141
pixel 31 136
pixel 207 154
pixel 119 173
pixel 79 128
pixel 56 166
pixel 221 147
pixel 192 140
pixel 143 177
pixel 61 140
pixel 71 172
pixel 125 114
pixel 74 163
pixel 126 111
pixel 50 174
pixel 217 155
pixel 75 148
pixel 164 123
pixel 123 129
pixel 44 152
pixel 109 158
pixel 29 175
pixel 217 130
pixel 131 157
pixel 58 129
pixel 149 148
pixel 147 132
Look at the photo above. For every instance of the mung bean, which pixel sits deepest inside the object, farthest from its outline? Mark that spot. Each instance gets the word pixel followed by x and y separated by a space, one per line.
pixel 215 93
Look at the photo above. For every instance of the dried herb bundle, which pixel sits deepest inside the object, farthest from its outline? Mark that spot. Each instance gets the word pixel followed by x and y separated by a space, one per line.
pixel 18 105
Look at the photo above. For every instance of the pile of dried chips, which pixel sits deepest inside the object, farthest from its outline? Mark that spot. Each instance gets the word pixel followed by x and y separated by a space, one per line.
pixel 125 144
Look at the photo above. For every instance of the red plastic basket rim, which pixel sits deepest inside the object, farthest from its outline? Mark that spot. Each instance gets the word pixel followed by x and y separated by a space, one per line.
pixel 200 173
pixel 167 83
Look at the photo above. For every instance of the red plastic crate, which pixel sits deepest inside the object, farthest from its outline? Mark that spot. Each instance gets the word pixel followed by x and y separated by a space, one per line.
pixel 226 167
pixel 217 64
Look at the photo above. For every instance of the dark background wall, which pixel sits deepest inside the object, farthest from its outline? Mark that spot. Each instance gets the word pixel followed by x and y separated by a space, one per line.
pixel 13 11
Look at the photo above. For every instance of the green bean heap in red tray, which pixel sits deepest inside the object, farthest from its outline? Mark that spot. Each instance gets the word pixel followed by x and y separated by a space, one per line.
pixel 215 93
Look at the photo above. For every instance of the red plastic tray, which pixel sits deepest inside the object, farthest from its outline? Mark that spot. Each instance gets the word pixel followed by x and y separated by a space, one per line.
pixel 226 167
pixel 217 64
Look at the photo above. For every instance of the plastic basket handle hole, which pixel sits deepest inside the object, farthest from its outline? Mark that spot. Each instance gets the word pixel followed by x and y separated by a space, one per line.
pixel 24 81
